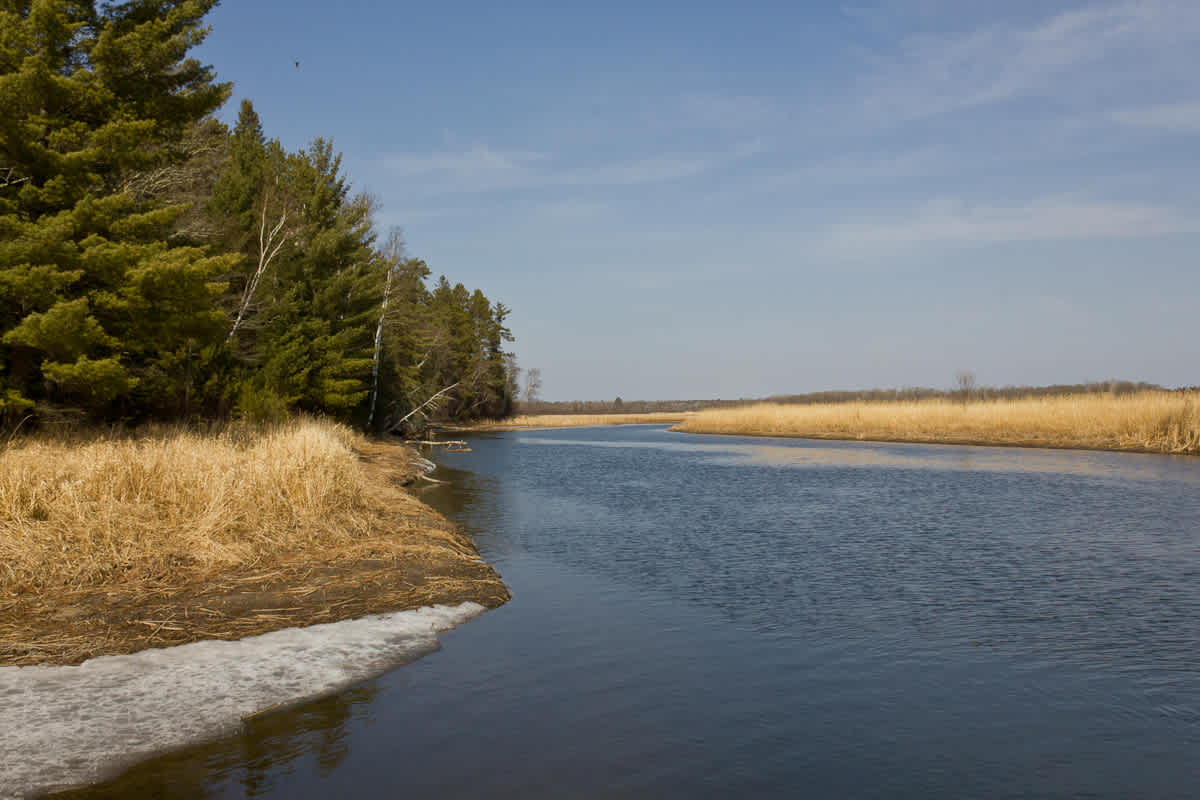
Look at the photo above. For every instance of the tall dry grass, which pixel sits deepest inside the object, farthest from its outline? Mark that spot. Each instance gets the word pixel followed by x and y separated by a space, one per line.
pixel 1153 421
pixel 149 508
pixel 580 420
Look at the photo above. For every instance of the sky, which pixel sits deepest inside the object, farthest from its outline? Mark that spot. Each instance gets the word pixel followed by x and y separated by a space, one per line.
pixel 720 200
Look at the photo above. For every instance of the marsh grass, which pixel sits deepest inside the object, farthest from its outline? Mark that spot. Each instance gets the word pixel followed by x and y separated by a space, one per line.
pixel 245 522
pixel 1152 421
pixel 148 506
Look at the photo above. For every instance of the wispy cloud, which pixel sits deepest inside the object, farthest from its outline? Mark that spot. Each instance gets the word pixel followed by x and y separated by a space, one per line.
pixel 949 222
pixel 1184 117
pixel 482 168
pixel 694 272
pixel 657 169
pixel 724 111
pixel 938 73
pixel 472 162
pixel 412 216
pixel 861 168
pixel 570 210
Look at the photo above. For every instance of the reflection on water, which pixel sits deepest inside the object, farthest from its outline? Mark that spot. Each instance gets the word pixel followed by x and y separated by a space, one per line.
pixel 250 764
pixel 813 453
pixel 716 617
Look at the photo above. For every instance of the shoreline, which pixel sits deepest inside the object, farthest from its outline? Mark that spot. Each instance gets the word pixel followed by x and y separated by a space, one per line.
pixel 947 441
pixel 542 422
pixel 148 704
pixel 418 559
pixel 1162 422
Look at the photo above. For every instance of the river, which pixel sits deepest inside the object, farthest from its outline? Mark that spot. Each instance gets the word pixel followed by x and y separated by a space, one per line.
pixel 719 616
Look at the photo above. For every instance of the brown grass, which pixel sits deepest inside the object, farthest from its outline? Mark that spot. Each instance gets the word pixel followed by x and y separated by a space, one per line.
pixel 581 420
pixel 1153 421
pixel 110 544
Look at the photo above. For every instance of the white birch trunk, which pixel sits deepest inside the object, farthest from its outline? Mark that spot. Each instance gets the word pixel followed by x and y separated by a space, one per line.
pixel 387 291
pixel 268 248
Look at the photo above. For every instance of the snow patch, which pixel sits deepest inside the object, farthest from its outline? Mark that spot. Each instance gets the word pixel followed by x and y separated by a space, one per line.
pixel 64 726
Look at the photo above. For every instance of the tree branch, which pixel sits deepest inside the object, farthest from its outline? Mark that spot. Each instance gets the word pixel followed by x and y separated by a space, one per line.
pixel 9 180
pixel 410 414
pixel 268 248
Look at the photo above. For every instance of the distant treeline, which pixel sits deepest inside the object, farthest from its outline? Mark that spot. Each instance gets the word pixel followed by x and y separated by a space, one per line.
pixel 619 406
pixel 155 264
pixel 908 393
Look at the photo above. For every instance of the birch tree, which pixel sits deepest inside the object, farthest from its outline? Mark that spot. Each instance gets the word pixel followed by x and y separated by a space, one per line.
pixel 269 244
pixel 393 250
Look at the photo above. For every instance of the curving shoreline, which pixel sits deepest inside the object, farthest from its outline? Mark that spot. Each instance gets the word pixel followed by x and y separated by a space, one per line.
pixel 948 441
pixel 152 702
pixel 537 422
pixel 405 557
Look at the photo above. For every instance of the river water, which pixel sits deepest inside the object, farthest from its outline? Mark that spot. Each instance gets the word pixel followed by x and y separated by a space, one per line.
pixel 721 616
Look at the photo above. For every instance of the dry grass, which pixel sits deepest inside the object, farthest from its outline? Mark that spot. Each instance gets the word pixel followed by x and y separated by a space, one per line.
pixel 581 420
pixel 1159 422
pixel 150 507
pixel 245 524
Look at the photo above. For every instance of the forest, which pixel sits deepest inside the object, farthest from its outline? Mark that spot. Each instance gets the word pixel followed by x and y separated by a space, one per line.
pixel 158 265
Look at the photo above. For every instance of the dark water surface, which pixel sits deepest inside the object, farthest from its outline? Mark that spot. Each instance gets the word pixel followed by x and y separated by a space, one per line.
pixel 719 616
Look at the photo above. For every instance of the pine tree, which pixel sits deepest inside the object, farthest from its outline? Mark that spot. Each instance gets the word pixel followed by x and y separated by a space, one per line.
pixel 345 277
pixel 404 347
pixel 155 264
pixel 100 312
pixel 309 299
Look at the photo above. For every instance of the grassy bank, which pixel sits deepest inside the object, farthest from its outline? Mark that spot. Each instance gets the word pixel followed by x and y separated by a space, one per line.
pixel 581 420
pixel 1157 422
pixel 113 544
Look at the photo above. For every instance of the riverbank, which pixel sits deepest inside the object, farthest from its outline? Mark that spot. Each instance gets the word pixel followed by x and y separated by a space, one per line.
pixel 537 421
pixel 1145 422
pixel 111 545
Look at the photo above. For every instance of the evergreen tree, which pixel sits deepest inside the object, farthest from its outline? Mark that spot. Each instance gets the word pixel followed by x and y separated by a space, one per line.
pixel 309 298
pixel 99 307
pixel 155 264
pixel 404 346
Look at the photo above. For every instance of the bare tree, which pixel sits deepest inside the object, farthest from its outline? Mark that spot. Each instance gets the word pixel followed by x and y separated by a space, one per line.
pixel 185 177
pixel 533 385
pixel 269 244
pixel 392 252
pixel 964 382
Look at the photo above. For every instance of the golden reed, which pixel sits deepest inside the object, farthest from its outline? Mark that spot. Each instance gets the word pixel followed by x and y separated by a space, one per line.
pixel 154 505
pixel 1154 421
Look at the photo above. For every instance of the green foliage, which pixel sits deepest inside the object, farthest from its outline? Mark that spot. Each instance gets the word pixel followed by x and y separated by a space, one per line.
pixel 94 382
pixel 11 402
pixel 258 404
pixel 98 295
pixel 154 263
pixel 66 331
pixel 447 337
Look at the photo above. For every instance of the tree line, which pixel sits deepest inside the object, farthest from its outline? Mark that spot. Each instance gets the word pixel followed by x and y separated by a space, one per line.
pixel 964 390
pixel 621 406
pixel 157 264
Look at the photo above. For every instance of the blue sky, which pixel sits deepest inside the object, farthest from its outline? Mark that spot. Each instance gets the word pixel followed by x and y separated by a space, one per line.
pixel 698 200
